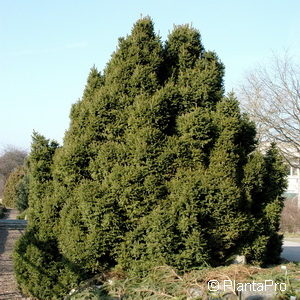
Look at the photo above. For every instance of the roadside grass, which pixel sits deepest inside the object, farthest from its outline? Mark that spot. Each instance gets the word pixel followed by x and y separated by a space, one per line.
pixel 165 283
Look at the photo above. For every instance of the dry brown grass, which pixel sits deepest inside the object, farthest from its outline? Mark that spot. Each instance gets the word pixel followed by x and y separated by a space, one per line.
pixel 166 283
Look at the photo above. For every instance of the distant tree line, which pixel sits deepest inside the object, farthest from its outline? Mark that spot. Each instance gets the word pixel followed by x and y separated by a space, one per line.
pixel 158 167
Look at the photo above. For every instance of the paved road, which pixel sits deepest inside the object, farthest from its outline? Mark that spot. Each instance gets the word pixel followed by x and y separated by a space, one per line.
pixel 10 230
pixel 12 224
pixel 291 250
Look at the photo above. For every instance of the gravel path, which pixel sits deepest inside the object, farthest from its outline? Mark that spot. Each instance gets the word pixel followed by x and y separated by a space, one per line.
pixel 8 237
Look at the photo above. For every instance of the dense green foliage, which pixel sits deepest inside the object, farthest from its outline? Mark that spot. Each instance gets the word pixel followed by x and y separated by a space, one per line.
pixel 39 267
pixel 22 192
pixel 16 189
pixel 10 192
pixel 157 167
pixel 10 159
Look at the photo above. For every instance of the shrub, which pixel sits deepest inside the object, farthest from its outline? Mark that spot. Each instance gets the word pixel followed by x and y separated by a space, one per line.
pixel 11 186
pixel 10 159
pixel 158 167
pixel 22 192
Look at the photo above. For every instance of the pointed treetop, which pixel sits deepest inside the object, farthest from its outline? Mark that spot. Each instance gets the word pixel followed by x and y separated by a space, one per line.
pixel 94 82
pixel 144 26
pixel 184 46
pixel 135 65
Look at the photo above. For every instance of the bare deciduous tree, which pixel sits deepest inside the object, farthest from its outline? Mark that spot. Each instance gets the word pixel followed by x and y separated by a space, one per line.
pixel 271 95
pixel 290 216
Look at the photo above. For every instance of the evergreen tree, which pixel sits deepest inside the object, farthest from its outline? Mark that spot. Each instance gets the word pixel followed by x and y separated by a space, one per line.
pixel 102 209
pixel 22 193
pixel 73 159
pixel 264 184
pixel 40 163
pixel 157 167
pixel 40 269
pixel 11 186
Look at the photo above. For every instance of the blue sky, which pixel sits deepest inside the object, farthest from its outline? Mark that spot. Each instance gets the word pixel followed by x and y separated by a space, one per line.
pixel 48 47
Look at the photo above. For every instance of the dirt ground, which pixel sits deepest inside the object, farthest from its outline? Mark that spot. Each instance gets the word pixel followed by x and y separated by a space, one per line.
pixel 8 237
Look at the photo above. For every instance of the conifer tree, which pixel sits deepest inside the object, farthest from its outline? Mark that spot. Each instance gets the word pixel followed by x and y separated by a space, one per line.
pixel 11 187
pixel 22 192
pixel 38 264
pixel 99 211
pixel 40 172
pixel 157 167
pixel 264 184
pixel 73 159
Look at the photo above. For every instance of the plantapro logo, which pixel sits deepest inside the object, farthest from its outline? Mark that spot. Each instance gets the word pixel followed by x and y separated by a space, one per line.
pixel 232 285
